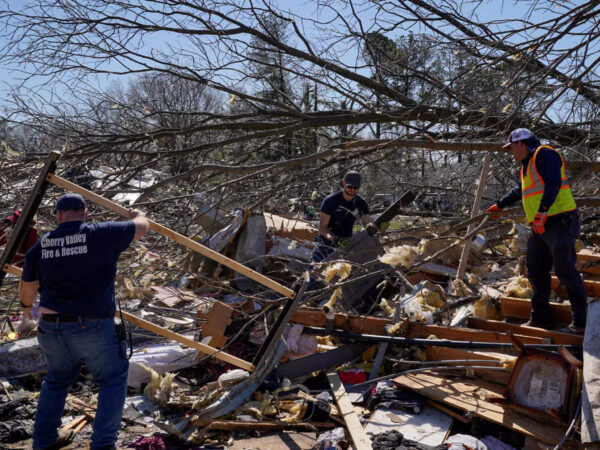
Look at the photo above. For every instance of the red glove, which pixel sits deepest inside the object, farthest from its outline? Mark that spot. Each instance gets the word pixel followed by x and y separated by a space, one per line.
pixel 493 209
pixel 539 222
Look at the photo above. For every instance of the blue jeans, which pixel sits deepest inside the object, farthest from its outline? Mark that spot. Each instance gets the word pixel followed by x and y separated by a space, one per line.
pixel 67 345
pixel 556 247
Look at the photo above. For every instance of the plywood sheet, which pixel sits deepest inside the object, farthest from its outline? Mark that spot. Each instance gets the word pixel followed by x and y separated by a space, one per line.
pixel 473 395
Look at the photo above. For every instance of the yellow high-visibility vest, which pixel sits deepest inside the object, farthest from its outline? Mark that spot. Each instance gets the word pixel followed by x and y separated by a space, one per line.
pixel 532 189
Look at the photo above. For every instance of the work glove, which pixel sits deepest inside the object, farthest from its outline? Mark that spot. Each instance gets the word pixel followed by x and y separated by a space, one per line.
pixel 371 228
pixel 26 326
pixel 539 222
pixel 492 209
pixel 344 243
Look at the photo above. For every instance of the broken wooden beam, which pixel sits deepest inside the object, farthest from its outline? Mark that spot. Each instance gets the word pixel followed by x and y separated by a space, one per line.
pixel 173 235
pixel 354 323
pixel 588 261
pixel 459 354
pixel 420 330
pixel 503 327
pixel 520 308
pixel 592 287
pixel 357 433
pixel 206 349
pixel 275 425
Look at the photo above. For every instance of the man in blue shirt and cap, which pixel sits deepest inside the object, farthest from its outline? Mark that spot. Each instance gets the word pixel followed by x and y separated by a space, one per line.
pixel 73 267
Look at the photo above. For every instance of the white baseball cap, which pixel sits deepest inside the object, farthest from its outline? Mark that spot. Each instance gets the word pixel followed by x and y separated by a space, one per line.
pixel 519 134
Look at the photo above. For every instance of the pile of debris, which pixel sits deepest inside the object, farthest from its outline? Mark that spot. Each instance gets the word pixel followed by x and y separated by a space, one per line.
pixel 391 347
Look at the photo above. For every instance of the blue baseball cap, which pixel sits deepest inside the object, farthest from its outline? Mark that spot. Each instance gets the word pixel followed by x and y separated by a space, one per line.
pixel 69 202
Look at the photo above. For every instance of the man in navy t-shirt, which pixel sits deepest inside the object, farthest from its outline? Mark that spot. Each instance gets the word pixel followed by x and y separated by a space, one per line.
pixel 73 267
pixel 338 214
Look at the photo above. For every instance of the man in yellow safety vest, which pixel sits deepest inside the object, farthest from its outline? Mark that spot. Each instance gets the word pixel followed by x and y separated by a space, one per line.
pixel 550 209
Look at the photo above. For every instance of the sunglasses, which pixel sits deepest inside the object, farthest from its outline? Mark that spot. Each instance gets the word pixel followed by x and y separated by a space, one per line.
pixel 351 186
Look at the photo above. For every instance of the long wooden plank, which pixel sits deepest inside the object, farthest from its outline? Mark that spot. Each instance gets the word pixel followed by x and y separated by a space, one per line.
pixel 448 353
pixel 173 235
pixel 206 349
pixel 464 256
pixel 521 309
pixel 357 433
pixel 503 327
pixel 473 396
pixel 357 324
pixel 592 287
pixel 416 330
pixel 34 199
pixel 588 261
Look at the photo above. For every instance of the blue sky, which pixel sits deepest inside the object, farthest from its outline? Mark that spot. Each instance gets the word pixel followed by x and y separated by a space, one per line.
pixel 488 10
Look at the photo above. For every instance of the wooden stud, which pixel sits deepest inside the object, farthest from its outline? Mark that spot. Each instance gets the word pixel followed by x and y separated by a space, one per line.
pixel 173 235
pixel 357 433
pixel 503 327
pixel 206 349
pixel 419 330
pixel 464 257
pixel 521 309
pixel 592 287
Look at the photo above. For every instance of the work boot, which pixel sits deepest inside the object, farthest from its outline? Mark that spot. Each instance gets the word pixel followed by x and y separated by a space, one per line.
pixel 537 324
pixel 572 329
pixel 64 438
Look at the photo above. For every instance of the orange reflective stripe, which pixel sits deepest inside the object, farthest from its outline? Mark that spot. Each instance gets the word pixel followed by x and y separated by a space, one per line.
pixel 534 174
pixel 524 179
pixel 530 195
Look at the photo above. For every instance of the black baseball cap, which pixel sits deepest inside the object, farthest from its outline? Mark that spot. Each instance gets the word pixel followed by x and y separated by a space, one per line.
pixel 352 178
pixel 69 202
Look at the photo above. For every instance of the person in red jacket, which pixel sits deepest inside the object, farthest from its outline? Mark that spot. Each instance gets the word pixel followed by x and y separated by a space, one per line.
pixel 9 222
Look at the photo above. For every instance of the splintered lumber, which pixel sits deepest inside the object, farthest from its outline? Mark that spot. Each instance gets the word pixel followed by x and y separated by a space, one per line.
pixel 588 261
pixel 462 265
pixel 315 317
pixel 203 348
pixel 521 309
pixel 417 330
pixel 275 425
pixel 206 349
pixel 357 433
pixel 219 318
pixel 173 235
pixel 503 327
pixel 13 270
pixel 447 353
pixel 474 395
pixel 592 287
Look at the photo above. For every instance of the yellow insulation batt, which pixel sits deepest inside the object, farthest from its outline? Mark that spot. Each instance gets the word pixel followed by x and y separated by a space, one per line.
pixel 519 287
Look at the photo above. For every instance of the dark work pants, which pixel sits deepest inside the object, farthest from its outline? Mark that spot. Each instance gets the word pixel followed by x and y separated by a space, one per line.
pixel 556 247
